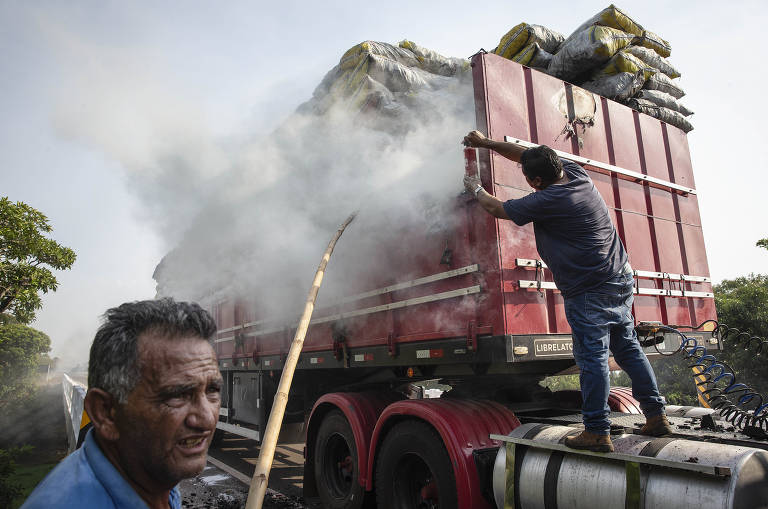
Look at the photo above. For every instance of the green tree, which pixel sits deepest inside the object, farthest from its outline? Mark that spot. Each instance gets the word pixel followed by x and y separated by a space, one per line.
pixel 742 303
pixel 25 257
pixel 20 349
pixel 762 243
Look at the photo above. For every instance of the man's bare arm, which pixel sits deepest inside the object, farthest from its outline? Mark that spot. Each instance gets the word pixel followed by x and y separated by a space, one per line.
pixel 509 150
pixel 490 203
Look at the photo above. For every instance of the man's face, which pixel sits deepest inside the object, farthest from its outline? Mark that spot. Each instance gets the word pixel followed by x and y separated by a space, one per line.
pixel 168 420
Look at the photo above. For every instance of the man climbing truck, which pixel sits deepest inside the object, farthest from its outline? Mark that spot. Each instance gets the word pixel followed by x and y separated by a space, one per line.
pixel 466 308
pixel 577 240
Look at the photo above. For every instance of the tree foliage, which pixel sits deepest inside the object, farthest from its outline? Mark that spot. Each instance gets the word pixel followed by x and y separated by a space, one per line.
pixel 20 348
pixel 742 303
pixel 26 259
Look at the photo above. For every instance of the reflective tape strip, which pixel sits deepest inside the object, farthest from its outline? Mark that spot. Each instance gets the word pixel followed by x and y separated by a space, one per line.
pixel 609 167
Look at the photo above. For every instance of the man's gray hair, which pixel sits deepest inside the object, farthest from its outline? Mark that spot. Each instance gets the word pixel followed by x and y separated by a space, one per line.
pixel 114 361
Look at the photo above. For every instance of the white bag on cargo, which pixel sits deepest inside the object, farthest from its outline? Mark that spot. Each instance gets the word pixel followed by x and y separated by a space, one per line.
pixel 351 58
pixel 434 62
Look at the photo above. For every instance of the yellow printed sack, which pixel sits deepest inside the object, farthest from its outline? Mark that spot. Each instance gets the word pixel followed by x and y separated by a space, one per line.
pixel 627 62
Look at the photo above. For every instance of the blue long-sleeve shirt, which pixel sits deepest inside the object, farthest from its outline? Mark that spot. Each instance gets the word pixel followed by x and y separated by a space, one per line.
pixel 86 478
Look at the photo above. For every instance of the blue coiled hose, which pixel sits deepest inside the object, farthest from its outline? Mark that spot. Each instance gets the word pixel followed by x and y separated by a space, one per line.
pixel 737 402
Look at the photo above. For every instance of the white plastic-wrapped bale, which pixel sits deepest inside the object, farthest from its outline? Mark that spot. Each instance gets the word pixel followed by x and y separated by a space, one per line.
pixel 434 62
pixel 353 55
pixel 591 48
pixel 663 99
pixel 667 115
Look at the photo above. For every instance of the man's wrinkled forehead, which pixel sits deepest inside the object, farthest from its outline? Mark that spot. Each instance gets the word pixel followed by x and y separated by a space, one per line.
pixel 161 355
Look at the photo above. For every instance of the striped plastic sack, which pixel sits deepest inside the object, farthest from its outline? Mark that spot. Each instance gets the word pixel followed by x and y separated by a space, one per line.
pixel 626 62
pixel 619 87
pixel 661 81
pixel 667 115
pixel 534 56
pixel 660 98
pixel 652 41
pixel 587 51
pixel 654 60
pixel 524 34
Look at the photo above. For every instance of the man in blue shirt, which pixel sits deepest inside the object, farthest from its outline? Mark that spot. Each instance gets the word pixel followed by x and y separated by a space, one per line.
pixel 577 240
pixel 153 398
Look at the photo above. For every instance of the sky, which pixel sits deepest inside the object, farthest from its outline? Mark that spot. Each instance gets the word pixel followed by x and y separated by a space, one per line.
pixel 97 98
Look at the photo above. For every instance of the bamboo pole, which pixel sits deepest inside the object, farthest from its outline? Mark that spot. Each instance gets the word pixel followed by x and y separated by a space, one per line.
pixel 267 451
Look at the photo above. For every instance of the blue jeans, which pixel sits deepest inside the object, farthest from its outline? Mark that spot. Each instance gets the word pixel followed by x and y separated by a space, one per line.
pixel 601 319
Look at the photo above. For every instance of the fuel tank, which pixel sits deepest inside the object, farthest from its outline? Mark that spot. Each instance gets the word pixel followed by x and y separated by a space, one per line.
pixel 547 478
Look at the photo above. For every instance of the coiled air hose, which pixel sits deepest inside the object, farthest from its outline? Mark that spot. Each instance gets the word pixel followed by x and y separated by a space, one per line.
pixel 736 402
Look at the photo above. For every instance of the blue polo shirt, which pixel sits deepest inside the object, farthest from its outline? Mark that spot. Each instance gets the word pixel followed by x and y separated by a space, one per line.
pixel 574 232
pixel 86 478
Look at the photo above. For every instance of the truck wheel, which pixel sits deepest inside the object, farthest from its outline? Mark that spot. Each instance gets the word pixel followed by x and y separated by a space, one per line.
pixel 413 470
pixel 336 468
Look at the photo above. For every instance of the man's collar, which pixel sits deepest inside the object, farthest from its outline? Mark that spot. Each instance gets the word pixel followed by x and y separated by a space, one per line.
pixel 113 482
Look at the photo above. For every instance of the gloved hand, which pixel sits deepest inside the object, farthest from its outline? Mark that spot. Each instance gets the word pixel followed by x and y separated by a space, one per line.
pixel 475 139
pixel 471 182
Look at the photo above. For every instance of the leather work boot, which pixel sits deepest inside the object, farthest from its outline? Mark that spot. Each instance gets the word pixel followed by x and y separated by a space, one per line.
pixel 590 442
pixel 656 426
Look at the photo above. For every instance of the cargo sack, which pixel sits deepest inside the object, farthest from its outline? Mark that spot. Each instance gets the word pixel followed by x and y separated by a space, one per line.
pixel 372 94
pixel 588 50
pixel 395 76
pixel 653 59
pixel 660 98
pixel 660 81
pixel 618 87
pixel 533 56
pixel 612 17
pixel 524 34
pixel 664 114
pixel 434 62
pixel 351 58
pixel 625 62
pixel 652 41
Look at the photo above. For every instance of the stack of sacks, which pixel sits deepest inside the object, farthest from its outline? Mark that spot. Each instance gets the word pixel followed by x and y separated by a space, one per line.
pixel 531 45
pixel 612 55
pixel 379 76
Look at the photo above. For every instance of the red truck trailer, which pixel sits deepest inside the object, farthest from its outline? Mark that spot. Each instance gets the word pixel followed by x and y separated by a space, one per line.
pixel 475 309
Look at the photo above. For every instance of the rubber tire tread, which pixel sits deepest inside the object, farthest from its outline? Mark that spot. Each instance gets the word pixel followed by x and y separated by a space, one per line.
pixel 335 422
pixel 414 437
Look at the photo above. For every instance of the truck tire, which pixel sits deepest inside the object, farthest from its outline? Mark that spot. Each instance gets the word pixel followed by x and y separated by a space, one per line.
pixel 336 468
pixel 413 469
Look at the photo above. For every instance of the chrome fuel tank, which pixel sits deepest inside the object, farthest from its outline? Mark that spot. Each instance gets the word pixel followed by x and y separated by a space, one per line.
pixel 545 478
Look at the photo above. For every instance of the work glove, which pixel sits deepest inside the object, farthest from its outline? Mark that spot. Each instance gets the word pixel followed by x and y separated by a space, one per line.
pixel 471 183
pixel 475 139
